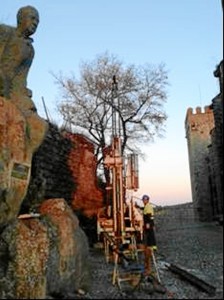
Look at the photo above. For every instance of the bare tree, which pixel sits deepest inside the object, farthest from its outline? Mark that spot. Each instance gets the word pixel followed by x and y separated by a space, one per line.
pixel 107 88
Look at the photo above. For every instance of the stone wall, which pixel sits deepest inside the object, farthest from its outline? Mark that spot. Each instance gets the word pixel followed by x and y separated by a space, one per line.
pixel 204 133
pixel 64 166
pixel 87 198
pixel 198 127
pixel 50 174
pixel 173 216
pixel 216 153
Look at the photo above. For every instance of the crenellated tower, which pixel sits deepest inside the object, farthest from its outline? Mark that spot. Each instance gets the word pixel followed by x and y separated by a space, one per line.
pixel 198 127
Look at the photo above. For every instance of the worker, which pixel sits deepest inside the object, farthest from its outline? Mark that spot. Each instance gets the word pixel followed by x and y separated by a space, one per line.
pixel 149 238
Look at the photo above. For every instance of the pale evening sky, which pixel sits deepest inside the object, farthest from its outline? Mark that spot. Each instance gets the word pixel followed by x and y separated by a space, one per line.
pixel 185 35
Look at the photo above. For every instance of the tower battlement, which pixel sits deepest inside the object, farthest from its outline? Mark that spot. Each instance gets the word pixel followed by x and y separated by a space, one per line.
pixel 199 115
pixel 199 110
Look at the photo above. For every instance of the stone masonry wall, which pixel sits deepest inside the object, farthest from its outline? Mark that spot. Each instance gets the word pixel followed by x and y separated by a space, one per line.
pixel 198 127
pixel 170 216
pixel 50 174
pixel 64 167
pixel 216 154
pixel 204 133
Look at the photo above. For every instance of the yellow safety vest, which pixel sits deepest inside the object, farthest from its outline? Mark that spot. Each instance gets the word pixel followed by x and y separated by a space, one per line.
pixel 148 209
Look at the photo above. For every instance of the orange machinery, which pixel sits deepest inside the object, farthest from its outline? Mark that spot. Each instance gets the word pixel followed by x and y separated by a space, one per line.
pixel 117 223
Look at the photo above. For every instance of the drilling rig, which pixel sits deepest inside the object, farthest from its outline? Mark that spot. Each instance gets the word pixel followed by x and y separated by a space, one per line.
pixel 118 226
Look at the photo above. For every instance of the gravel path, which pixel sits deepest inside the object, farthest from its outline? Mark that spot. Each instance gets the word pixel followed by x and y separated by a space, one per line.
pixel 196 247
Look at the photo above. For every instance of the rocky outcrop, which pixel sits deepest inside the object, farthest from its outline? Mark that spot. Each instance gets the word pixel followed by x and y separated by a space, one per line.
pixel 87 198
pixel 43 255
pixel 20 137
pixel 43 181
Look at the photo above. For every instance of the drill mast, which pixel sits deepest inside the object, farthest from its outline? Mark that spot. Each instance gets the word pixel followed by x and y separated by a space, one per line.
pixel 119 224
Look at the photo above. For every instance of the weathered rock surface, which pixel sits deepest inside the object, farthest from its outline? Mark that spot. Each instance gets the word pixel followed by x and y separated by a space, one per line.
pixel 87 197
pixel 45 255
pixel 20 137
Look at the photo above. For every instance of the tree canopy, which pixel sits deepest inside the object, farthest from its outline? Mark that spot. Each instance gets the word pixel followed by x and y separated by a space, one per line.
pixel 111 98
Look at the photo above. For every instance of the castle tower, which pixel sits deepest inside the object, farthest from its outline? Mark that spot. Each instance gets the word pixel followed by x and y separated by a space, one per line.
pixel 198 127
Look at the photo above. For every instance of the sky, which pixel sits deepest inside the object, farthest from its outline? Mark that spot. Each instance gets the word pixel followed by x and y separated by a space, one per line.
pixel 185 35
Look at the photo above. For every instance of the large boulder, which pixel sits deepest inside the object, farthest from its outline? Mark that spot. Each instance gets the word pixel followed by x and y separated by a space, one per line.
pixel 43 255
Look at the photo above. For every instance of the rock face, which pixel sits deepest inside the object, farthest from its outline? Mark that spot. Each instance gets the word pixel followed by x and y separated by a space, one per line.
pixel 19 138
pixel 67 266
pixel 87 197
pixel 48 254
pixel 26 243
pixel 45 253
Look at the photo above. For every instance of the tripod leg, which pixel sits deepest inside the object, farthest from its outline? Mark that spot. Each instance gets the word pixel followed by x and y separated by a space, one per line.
pixel 147 261
pixel 155 265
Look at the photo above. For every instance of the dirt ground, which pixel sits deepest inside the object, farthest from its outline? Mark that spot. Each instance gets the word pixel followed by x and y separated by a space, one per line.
pixel 196 248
